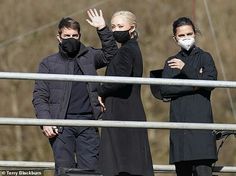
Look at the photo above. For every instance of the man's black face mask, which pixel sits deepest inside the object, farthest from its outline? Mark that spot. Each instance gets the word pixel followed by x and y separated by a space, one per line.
pixel 71 46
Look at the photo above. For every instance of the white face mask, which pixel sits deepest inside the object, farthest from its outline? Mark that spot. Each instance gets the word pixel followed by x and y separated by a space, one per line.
pixel 186 43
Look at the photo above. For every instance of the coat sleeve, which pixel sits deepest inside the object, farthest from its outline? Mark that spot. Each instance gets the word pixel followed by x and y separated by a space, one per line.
pixel 173 91
pixel 41 95
pixel 121 68
pixel 109 48
pixel 208 68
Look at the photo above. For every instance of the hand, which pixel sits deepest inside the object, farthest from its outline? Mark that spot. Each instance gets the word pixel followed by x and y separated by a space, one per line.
pixel 176 63
pixel 201 70
pixel 50 131
pixel 96 20
pixel 101 101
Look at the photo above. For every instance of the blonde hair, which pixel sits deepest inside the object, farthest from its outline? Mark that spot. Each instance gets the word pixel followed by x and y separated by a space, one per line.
pixel 130 17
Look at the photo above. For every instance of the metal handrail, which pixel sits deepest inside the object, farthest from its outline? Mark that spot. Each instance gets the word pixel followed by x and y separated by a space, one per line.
pixel 51 166
pixel 116 79
pixel 124 124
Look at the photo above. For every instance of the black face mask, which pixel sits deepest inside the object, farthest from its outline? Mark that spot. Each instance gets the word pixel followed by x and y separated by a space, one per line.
pixel 121 36
pixel 71 46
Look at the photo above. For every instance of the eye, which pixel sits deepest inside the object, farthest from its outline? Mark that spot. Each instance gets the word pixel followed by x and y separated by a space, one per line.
pixel 75 35
pixel 189 34
pixel 181 35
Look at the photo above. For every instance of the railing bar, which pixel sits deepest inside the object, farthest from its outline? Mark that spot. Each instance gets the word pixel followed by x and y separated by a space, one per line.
pixel 115 79
pixel 114 124
pixel 51 166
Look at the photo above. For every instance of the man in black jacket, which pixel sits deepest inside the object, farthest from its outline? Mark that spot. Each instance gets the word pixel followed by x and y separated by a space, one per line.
pixel 73 100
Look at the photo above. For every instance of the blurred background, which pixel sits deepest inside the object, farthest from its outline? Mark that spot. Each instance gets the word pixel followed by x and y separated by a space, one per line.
pixel 28 34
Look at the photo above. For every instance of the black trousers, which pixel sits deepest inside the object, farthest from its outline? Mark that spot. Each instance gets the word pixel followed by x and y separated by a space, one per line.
pixel 76 147
pixel 194 168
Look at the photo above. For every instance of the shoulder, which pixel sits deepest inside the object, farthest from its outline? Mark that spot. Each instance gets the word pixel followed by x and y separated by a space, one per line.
pixel 205 55
pixel 51 60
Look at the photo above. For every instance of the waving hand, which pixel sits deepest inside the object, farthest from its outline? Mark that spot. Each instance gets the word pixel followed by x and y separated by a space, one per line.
pixel 96 20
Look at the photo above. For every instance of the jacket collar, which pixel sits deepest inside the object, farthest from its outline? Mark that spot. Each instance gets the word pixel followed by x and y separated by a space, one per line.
pixel 193 51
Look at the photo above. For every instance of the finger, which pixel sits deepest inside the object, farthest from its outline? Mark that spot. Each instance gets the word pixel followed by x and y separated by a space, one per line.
pixel 90 22
pixel 174 67
pixel 172 63
pixel 102 105
pixel 100 13
pixel 51 134
pixel 46 133
pixel 173 60
pixel 95 11
pixel 92 13
pixel 89 14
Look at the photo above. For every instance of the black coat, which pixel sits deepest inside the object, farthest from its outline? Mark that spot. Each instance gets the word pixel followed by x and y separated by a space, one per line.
pixel 189 104
pixel 124 149
pixel 51 98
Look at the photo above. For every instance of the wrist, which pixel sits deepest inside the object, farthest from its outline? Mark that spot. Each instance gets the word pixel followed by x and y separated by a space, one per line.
pixel 101 27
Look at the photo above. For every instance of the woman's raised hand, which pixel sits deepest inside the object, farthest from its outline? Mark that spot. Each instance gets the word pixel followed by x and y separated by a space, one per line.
pixel 96 20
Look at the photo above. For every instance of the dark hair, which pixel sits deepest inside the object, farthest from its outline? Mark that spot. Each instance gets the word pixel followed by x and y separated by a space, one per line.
pixel 181 22
pixel 68 23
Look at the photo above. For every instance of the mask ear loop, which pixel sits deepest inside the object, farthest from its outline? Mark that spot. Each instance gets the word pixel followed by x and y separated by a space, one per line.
pixel 134 34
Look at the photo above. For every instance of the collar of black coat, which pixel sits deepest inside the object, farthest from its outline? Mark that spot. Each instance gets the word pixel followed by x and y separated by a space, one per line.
pixel 83 49
pixel 129 41
pixel 194 50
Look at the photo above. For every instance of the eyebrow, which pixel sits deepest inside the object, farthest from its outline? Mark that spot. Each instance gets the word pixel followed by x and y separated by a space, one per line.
pixel 190 33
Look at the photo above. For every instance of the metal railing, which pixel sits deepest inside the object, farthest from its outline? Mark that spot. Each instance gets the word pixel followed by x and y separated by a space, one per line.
pixel 124 124
pixel 118 124
pixel 117 79
pixel 51 166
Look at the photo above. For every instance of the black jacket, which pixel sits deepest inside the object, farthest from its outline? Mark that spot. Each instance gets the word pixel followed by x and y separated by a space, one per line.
pixel 123 149
pixel 51 98
pixel 189 104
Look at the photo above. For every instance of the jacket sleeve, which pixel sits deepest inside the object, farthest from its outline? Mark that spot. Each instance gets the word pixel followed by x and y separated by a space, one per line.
pixel 168 91
pixel 109 48
pixel 209 71
pixel 121 68
pixel 41 95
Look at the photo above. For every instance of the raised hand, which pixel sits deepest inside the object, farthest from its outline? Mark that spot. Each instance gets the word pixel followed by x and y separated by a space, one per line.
pixel 96 20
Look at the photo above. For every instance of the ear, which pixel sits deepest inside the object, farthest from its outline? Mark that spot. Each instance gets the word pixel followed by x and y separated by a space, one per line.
pixel 59 38
pixel 174 38
pixel 79 36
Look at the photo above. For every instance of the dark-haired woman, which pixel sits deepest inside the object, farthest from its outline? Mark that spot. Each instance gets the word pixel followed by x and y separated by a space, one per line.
pixel 124 151
pixel 192 151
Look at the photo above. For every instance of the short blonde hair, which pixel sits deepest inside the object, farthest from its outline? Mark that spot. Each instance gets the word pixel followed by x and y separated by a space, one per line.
pixel 130 17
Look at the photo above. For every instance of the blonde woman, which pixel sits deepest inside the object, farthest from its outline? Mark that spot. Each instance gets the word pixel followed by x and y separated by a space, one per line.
pixel 124 151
